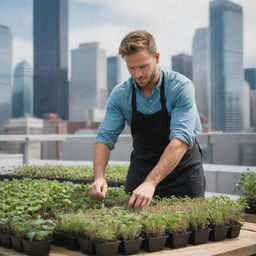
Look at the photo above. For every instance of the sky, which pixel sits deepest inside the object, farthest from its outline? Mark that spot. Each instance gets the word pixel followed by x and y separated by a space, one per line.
pixel 172 22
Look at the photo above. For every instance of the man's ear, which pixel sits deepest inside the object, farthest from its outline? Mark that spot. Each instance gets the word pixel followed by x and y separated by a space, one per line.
pixel 157 57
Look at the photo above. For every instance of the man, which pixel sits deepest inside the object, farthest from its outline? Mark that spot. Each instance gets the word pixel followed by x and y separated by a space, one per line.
pixel 160 109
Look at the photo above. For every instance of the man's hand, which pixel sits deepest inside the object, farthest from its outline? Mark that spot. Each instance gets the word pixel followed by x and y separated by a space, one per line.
pixel 98 189
pixel 142 195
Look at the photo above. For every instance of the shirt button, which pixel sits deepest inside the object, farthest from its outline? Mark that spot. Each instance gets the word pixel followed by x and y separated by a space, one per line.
pixel 150 101
pixel 150 111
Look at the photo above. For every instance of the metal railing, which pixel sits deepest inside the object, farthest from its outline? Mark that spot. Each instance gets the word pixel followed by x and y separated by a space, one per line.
pixel 218 148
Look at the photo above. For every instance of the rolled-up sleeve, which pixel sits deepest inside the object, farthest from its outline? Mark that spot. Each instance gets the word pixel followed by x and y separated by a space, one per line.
pixel 185 122
pixel 113 123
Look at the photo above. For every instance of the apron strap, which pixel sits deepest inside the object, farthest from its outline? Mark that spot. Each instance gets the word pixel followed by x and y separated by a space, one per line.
pixel 162 94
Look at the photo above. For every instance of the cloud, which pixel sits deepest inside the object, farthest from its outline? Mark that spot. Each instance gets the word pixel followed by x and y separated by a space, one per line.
pixel 173 30
pixel 173 23
pixel 22 50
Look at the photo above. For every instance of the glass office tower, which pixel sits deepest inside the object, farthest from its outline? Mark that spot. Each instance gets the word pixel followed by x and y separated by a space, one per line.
pixel 182 63
pixel 226 66
pixel 200 54
pixel 88 85
pixel 50 57
pixel 113 72
pixel 250 77
pixel 5 75
pixel 22 98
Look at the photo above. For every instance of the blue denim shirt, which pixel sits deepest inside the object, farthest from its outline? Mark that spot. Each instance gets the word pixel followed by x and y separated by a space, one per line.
pixel 180 103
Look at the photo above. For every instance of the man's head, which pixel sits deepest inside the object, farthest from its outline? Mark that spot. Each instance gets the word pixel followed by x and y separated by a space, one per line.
pixel 136 41
pixel 138 49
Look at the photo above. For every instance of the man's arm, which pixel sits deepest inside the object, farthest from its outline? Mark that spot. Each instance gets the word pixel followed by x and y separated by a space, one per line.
pixel 111 127
pixel 101 154
pixel 170 158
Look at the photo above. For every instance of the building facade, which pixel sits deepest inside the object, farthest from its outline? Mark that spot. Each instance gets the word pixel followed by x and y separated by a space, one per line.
pixel 253 109
pixel 113 72
pixel 5 75
pixel 51 57
pixel 23 125
pixel 200 57
pixel 88 88
pixel 246 105
pixel 182 63
pixel 250 77
pixel 22 97
pixel 226 66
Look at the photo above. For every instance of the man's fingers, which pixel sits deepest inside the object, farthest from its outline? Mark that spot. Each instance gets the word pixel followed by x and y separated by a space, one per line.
pixel 148 202
pixel 98 190
pixel 131 201
pixel 104 189
pixel 145 202
pixel 138 202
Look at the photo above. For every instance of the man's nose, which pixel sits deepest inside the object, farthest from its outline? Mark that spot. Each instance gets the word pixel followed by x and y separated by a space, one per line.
pixel 137 73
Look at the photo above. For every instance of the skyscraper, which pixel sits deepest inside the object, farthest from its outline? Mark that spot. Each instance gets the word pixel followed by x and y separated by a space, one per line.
pixel 182 63
pixel 250 77
pixel 246 111
pixel 253 108
pixel 22 98
pixel 88 89
pixel 50 57
pixel 113 72
pixel 5 75
pixel 200 53
pixel 226 66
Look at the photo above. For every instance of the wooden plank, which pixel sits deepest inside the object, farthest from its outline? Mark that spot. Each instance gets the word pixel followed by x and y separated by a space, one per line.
pixel 249 226
pixel 250 217
pixel 244 245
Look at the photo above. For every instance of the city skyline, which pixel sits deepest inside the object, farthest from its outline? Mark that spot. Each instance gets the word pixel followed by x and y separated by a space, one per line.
pixel 88 76
pixel 96 20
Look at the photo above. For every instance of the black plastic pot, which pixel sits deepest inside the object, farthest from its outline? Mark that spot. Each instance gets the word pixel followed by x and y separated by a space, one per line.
pixel 178 240
pixel 199 236
pixel 153 244
pixel 130 246
pixel 252 208
pixel 86 246
pixel 71 242
pixel 37 248
pixel 10 177
pixel 234 231
pixel 58 239
pixel 107 249
pixel 17 244
pixel 219 233
pixel 6 240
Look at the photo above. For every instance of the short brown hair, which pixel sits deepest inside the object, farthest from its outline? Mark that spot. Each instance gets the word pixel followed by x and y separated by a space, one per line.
pixel 136 41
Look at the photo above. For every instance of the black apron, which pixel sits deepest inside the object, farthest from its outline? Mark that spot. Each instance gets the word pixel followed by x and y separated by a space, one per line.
pixel 150 138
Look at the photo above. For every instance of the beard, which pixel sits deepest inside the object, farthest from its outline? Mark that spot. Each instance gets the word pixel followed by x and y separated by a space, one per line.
pixel 148 82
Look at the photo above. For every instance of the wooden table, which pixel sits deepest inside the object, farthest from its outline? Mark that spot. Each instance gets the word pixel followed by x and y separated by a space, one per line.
pixel 250 217
pixel 244 245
